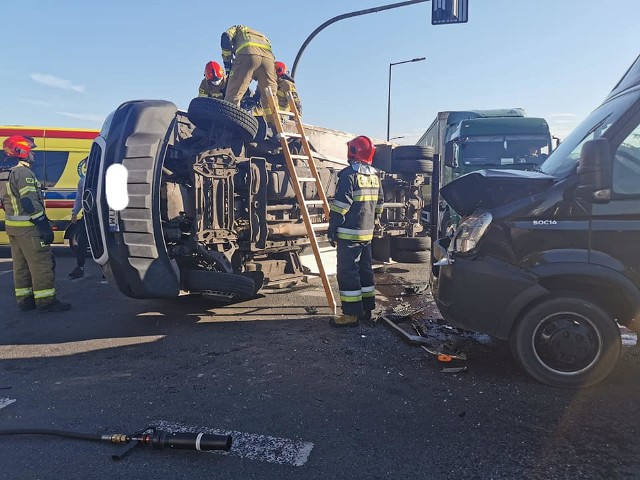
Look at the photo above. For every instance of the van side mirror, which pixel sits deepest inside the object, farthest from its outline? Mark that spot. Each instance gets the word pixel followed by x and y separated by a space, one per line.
pixel 594 171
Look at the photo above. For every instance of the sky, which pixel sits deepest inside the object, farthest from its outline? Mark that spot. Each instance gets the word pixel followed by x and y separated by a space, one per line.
pixel 69 63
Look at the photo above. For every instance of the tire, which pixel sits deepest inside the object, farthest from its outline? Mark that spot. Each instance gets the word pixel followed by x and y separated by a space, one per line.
pixel 411 244
pixel 223 286
pixel 381 249
pixel 412 152
pixel 407 256
pixel 209 113
pixel 413 166
pixel 566 341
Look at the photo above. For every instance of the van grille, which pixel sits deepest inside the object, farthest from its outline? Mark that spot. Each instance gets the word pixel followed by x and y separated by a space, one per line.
pixel 91 203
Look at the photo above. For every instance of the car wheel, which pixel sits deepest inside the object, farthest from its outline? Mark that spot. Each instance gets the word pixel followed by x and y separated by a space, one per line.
pixel 408 256
pixel 412 244
pixel 226 287
pixel 209 113
pixel 566 341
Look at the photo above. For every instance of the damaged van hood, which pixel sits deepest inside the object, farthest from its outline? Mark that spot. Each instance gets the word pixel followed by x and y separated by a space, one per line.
pixel 492 188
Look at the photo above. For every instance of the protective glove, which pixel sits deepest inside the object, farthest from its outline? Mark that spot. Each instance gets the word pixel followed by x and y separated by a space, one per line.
pixel 44 229
pixel 331 235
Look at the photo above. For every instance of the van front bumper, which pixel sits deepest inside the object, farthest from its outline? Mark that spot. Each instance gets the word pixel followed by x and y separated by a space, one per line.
pixel 481 293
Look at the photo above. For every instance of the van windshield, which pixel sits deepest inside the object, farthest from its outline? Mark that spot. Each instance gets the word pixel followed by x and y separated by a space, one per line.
pixel 564 159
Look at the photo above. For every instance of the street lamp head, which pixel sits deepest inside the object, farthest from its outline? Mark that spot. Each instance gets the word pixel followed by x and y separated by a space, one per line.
pixel 419 59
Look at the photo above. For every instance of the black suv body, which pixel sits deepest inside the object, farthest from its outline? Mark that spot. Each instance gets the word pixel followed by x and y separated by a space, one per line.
pixel 549 259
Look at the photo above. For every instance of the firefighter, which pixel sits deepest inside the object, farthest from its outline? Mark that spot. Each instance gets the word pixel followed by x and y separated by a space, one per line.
pixel 246 53
pixel 286 84
pixel 214 83
pixel 29 231
pixel 355 210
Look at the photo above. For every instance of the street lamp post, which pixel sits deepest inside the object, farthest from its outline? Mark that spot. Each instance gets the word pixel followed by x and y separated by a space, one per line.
pixel 389 95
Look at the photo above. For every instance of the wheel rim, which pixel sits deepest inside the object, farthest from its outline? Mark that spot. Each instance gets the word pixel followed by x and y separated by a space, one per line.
pixel 567 343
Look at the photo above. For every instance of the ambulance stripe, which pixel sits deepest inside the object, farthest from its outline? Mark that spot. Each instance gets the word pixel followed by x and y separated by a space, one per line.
pixel 42 132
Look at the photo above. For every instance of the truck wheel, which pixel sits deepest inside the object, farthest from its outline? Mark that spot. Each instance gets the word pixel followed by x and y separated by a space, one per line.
pixel 411 244
pixel 566 341
pixel 412 159
pixel 412 152
pixel 208 113
pixel 408 256
pixel 222 286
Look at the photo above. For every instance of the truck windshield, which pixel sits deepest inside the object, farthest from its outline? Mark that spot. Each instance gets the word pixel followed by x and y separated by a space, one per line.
pixel 564 159
pixel 500 150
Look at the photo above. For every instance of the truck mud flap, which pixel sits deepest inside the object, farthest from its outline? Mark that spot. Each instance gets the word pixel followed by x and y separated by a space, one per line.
pixel 138 259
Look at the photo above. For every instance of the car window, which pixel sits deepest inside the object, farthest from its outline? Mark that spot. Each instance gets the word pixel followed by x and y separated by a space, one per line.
pixel 55 163
pixel 626 165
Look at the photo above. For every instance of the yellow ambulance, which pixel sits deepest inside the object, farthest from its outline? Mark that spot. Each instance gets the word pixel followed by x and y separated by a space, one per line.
pixel 60 160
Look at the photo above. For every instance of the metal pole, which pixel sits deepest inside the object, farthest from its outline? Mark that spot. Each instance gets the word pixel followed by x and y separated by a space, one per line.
pixel 389 103
pixel 420 59
pixel 342 17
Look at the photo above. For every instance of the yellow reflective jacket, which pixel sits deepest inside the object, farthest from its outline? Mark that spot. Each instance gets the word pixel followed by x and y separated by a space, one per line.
pixel 242 40
pixel 18 183
pixel 286 85
pixel 212 91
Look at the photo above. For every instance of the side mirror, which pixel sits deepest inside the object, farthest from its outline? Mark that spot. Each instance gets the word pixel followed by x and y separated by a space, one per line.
pixel 449 157
pixel 594 171
pixel 449 11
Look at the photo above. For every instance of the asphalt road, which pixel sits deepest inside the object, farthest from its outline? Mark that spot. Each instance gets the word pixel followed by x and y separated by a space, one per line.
pixel 301 399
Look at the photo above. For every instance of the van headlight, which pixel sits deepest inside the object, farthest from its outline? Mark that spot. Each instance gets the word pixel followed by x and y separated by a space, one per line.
pixel 471 230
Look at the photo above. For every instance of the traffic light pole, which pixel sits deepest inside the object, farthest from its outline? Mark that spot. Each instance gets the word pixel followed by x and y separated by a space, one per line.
pixel 342 17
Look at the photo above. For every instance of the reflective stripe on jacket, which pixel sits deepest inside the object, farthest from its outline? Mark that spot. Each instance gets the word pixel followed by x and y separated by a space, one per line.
pixel 212 91
pixel 357 203
pixel 20 183
pixel 286 85
pixel 242 40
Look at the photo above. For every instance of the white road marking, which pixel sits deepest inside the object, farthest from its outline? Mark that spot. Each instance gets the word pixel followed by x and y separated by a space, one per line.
pixel 5 402
pixel 251 445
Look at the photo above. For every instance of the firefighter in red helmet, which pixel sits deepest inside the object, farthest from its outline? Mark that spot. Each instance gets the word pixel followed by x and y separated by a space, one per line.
pixel 29 230
pixel 355 208
pixel 214 83
pixel 286 84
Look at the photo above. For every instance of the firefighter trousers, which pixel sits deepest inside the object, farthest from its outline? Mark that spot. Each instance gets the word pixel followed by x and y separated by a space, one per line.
pixel 355 277
pixel 244 68
pixel 33 275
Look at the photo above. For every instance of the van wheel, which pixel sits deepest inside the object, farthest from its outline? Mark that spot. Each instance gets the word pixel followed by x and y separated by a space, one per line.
pixel 566 341
pixel 209 113
pixel 220 286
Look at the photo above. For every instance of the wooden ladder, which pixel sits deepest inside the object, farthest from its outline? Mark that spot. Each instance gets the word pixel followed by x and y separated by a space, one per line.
pixel 307 158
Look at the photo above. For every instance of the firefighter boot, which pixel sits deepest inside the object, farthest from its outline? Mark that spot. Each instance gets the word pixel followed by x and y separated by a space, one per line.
pixel 344 321
pixel 54 306
pixel 26 304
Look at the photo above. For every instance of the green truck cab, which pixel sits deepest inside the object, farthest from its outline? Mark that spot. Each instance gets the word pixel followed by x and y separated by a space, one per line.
pixel 470 140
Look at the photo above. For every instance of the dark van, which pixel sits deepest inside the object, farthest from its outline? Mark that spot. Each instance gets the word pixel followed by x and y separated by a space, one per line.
pixel 550 259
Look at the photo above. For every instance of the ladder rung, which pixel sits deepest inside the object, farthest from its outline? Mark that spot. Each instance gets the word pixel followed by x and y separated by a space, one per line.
pixel 314 202
pixel 306 179
pixel 320 226
pixel 288 134
pixel 299 157
pixel 286 113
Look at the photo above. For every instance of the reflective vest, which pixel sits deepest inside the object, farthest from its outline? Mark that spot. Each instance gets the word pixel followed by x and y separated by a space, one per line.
pixel 357 203
pixel 212 91
pixel 20 182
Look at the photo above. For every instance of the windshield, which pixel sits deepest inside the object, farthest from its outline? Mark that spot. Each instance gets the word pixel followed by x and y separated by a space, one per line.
pixel 499 150
pixel 564 159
